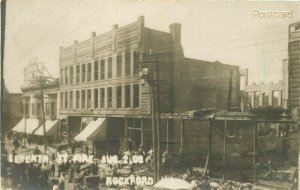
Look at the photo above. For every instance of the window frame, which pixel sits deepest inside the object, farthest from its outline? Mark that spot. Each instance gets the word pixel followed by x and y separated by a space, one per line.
pixel 136 95
pixel 119 65
pixel 83 97
pixel 127 96
pixel 83 73
pixel 119 97
pixel 89 98
pixel 96 70
pixel 109 97
pixel 89 72
pixel 96 98
pixel 102 69
pixel 109 68
pixel 127 64
pixel 102 97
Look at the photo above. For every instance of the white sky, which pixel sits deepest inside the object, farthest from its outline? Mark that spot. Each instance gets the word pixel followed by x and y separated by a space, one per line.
pixel 224 31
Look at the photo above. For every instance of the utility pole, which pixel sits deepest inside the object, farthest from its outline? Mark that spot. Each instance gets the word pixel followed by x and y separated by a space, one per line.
pixel 154 137
pixel 152 83
pixel 43 111
pixel 151 75
pixel 157 97
pixel 36 72
pixel 25 122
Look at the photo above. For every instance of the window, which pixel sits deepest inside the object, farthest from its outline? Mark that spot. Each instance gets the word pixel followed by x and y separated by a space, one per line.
pixel 119 96
pixel 47 109
pixel 276 98
pixel 66 100
pixel 61 100
pixel 102 69
pixel 77 73
pixel 136 63
pixel 77 98
pixel 96 70
pixel 109 68
pixel 66 76
pixel 82 99
pixel 83 73
pixel 38 109
pixel 127 96
pixel 89 72
pixel 27 109
pixel 71 100
pixel 265 99
pixel 96 102
pixel 33 109
pixel 102 97
pixel 89 98
pixel 248 100
pixel 127 64
pixel 136 95
pixel 109 97
pixel 53 109
pixel 119 65
pixel 61 76
pixel 256 99
pixel 71 74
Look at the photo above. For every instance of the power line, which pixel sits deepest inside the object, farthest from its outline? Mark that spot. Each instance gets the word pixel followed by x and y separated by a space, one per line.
pixel 281 50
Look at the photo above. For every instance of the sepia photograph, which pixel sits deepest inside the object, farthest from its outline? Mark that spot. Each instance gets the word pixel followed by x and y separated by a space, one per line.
pixel 150 94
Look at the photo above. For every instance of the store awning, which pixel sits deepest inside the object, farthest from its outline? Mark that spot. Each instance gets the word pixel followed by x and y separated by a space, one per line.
pixel 28 125
pixel 50 126
pixel 94 130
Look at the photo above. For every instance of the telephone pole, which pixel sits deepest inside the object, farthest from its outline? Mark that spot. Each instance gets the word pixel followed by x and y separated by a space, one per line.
pixel 43 112
pixel 157 100
pixel 151 75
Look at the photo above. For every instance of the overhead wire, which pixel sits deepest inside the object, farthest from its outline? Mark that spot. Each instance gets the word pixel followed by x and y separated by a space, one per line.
pixel 222 50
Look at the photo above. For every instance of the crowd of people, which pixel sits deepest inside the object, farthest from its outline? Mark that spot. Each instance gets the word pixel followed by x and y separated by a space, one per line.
pixel 55 175
pixel 43 175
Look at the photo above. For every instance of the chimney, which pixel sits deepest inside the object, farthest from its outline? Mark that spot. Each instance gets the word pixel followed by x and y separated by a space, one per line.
pixel 113 35
pixel 140 26
pixel 175 31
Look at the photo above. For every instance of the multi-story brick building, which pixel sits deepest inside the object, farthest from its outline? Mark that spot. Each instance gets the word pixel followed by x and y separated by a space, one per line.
pixel 294 69
pixel 99 78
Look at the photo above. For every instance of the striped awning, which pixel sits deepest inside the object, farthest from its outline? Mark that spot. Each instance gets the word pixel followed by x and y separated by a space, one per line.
pixel 28 125
pixel 51 127
pixel 95 129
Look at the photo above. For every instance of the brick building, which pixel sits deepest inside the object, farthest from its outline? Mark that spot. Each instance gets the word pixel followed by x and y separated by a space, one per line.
pixel 294 69
pixel 100 84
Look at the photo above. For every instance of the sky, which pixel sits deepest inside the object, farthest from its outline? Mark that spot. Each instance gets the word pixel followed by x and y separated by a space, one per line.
pixel 225 31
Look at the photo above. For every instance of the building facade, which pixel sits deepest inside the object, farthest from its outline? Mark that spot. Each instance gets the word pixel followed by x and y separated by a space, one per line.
pixel 100 78
pixel 38 89
pixel 294 69
pixel 259 95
